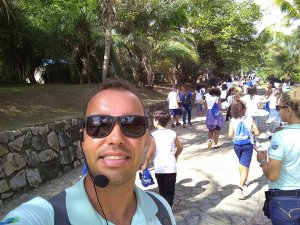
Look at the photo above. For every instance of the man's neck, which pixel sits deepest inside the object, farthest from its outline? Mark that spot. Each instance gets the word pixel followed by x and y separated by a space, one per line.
pixel 118 203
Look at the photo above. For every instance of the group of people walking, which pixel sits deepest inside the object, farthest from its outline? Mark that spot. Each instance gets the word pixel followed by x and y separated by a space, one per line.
pixel 281 163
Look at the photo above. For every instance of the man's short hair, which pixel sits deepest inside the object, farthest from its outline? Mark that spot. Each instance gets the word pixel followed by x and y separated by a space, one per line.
pixel 117 84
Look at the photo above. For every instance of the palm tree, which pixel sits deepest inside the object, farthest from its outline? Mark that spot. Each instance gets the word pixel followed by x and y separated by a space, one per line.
pixel 291 8
pixel 109 14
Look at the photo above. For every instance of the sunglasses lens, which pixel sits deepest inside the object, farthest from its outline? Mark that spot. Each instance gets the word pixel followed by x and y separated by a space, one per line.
pixel 133 126
pixel 98 126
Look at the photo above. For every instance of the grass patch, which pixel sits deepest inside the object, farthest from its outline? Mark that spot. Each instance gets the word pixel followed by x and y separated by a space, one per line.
pixel 24 106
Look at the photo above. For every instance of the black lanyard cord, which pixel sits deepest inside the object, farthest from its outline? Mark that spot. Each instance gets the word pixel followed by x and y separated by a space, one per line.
pixel 100 205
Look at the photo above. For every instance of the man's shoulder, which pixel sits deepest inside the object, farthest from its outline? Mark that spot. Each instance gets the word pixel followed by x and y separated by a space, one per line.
pixel 37 211
pixel 152 204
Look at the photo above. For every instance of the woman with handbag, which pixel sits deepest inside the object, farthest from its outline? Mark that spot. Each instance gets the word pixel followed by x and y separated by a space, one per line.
pixel 281 165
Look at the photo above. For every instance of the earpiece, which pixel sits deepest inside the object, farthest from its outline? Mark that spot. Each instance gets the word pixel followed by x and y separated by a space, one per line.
pixel 81 136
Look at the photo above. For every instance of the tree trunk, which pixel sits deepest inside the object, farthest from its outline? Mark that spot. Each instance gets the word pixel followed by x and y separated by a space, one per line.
pixel 109 14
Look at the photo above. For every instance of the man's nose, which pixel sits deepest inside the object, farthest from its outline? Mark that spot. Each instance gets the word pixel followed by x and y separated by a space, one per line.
pixel 116 136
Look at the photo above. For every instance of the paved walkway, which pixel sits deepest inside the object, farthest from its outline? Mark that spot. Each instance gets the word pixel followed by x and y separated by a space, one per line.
pixel 207 181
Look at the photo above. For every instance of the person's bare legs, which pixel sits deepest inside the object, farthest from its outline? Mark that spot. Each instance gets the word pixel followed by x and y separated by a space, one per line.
pixel 172 119
pixel 216 137
pixel 210 135
pixel 177 119
pixel 244 171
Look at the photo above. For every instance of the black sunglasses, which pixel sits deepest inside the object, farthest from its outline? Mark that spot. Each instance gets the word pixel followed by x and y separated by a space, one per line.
pixel 99 126
pixel 278 107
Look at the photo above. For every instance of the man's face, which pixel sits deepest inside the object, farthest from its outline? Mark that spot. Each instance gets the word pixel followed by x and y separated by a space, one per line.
pixel 116 156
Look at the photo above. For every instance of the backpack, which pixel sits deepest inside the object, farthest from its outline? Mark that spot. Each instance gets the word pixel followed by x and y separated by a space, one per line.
pixel 242 134
pixel 215 110
pixel 58 203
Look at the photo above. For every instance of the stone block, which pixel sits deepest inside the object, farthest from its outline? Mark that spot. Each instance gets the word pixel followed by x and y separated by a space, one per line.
pixel 67 124
pixel 28 137
pixel 49 170
pixel 77 164
pixel 66 156
pixel 17 144
pixel 74 132
pixel 52 141
pixel 59 125
pixel 34 130
pixel 3 150
pixel 63 139
pixel 17 132
pixel 6 136
pixel 33 177
pixel 3 186
pixel 47 155
pixel 43 130
pixel 18 181
pixel 37 143
pixel 31 158
pixel 67 169
pixel 13 162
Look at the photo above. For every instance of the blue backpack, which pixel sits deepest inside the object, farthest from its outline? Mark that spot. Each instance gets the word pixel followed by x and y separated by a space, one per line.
pixel 242 134
pixel 215 110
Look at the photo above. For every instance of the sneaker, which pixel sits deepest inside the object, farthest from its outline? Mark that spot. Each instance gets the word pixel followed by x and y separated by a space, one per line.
pixel 241 193
pixel 177 124
pixel 190 123
pixel 173 125
pixel 209 144
pixel 216 147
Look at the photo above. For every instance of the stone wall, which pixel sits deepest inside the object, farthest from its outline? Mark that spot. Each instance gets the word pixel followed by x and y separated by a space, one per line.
pixel 31 156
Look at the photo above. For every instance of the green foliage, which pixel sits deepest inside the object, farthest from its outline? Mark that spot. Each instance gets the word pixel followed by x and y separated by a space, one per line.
pixel 290 8
pixel 153 40
pixel 225 33
pixel 281 59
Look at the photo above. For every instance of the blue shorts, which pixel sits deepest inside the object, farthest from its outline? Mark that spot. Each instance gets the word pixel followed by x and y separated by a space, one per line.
pixel 244 154
pixel 173 112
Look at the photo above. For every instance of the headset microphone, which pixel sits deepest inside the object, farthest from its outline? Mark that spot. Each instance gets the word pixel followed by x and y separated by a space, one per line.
pixel 100 180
